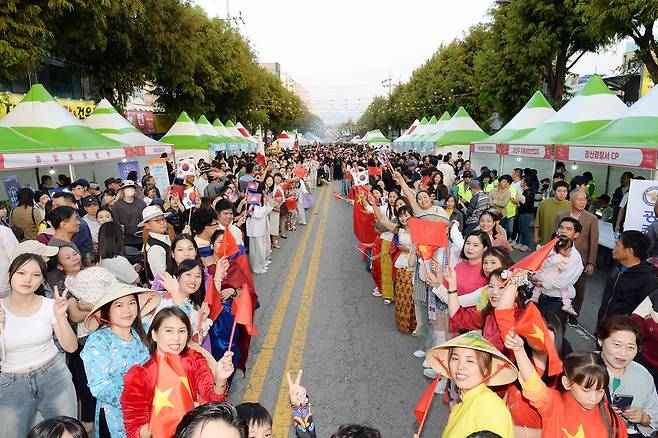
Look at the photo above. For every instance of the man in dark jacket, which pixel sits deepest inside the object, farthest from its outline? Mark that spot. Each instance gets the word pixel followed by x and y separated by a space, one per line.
pixel 632 280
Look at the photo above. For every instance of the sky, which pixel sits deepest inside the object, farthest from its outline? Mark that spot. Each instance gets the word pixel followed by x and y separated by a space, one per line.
pixel 344 51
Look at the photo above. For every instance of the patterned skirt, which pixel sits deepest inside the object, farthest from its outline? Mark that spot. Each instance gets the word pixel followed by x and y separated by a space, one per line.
pixel 405 316
pixel 387 271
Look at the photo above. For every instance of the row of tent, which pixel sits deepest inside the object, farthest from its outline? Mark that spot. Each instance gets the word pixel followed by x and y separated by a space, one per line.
pixel 372 138
pixel 595 126
pixel 39 132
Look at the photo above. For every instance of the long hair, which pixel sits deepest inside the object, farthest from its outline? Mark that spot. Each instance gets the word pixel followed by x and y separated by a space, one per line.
pixel 588 370
pixel 137 324
pixel 185 266
pixel 484 240
pixel 21 261
pixel 172 266
pixel 110 241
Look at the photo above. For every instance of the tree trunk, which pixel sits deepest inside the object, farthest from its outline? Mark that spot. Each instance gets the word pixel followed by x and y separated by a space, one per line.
pixel 647 51
pixel 555 77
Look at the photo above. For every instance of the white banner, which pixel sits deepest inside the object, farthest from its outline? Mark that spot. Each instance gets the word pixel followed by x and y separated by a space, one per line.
pixel 606 234
pixel 36 159
pixel 642 197
pixel 486 148
pixel 158 168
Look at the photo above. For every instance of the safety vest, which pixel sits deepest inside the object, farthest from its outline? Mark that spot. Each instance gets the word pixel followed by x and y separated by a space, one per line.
pixel 510 208
pixel 463 193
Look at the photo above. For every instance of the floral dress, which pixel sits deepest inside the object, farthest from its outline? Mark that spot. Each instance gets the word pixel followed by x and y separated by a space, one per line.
pixel 107 358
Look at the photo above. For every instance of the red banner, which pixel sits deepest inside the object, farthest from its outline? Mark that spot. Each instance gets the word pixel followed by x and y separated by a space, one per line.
pixel 142 120
pixel 643 158
pixel 543 152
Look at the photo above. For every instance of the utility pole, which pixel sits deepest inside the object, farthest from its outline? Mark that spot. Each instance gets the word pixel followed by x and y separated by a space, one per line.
pixel 228 12
pixel 388 83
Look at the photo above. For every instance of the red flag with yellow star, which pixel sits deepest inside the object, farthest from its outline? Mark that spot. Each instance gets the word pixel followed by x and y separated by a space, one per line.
pixel 532 327
pixel 172 398
pixel 363 220
pixel 428 236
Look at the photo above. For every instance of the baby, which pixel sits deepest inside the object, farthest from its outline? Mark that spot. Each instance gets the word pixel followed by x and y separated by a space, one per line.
pixel 552 268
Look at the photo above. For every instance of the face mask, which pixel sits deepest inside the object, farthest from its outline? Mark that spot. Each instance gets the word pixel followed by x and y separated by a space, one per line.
pixel 129 192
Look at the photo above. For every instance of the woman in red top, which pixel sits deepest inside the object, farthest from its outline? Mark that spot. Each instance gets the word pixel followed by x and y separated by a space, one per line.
pixel 171 333
pixel 580 408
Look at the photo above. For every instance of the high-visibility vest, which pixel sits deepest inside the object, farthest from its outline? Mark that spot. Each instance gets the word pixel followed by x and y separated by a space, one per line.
pixel 463 193
pixel 510 208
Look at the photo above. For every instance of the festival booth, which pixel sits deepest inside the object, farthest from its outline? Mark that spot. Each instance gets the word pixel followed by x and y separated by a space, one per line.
pixel 398 143
pixel 420 141
pixel 106 120
pixel 247 136
pixel 429 140
pixel 188 139
pixel 419 131
pixel 458 133
pixel 356 139
pixel 284 141
pixel 592 108
pixel 491 151
pixel 232 144
pixel 377 139
pixel 218 141
pixel 629 142
pixel 66 145
pixel 243 144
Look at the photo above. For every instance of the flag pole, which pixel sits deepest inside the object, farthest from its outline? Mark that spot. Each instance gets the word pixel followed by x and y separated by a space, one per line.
pixel 230 342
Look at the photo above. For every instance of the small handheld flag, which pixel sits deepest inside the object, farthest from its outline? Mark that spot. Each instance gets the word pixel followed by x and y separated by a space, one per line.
pixel 360 178
pixel 190 198
pixel 185 167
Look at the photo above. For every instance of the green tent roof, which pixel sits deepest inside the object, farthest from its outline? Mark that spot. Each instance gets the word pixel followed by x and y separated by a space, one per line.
pixel 460 130
pixel 185 135
pixel 41 117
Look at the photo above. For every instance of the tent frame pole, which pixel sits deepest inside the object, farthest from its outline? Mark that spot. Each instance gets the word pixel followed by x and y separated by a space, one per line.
pixel 71 172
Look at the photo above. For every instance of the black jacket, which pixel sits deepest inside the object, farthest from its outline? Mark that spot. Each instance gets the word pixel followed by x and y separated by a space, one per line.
pixel 624 291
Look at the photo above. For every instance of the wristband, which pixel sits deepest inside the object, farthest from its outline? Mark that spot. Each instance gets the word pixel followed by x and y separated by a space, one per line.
pixel 452 291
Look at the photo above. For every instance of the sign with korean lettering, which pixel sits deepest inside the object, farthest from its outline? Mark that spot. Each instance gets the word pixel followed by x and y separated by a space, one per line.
pixel 644 158
pixel 45 159
pixel 484 148
pixel 642 196
pixel 542 152
pixel 158 168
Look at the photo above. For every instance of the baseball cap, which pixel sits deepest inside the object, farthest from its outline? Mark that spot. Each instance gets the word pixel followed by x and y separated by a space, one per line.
pixel 88 200
pixel 467 174
pixel 80 182
pixel 112 181
pixel 94 185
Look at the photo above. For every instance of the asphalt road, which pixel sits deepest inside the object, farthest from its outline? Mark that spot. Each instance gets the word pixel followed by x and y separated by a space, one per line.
pixel 317 314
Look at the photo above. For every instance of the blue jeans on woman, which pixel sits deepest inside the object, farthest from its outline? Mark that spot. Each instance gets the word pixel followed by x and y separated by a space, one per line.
pixel 48 389
pixel 525 229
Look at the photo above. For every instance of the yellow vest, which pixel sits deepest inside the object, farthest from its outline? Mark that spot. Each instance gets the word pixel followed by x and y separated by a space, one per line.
pixel 463 193
pixel 510 209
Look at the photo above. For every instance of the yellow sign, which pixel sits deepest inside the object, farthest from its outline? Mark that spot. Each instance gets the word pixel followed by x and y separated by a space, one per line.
pixel 647 84
pixel 78 107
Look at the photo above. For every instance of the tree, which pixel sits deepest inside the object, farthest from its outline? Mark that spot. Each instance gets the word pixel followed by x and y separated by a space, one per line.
pixel 550 33
pixel 617 19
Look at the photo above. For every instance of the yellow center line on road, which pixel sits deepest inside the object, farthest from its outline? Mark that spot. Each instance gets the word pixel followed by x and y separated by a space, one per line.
pixel 281 419
pixel 261 366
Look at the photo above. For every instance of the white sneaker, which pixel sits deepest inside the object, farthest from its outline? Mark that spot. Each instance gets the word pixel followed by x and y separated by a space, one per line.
pixel 419 353
pixel 523 248
pixel 426 364
pixel 376 293
pixel 430 373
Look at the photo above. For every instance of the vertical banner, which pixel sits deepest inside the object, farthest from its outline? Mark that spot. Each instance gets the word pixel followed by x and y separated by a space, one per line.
pixel 12 185
pixel 158 167
pixel 642 195
pixel 126 167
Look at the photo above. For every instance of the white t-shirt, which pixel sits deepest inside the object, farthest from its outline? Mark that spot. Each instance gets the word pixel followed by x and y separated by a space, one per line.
pixel 28 340
pixel 94 227
pixel 121 268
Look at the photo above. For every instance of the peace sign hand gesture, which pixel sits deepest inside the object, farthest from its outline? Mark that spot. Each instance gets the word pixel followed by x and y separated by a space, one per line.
pixel 60 305
pixel 296 392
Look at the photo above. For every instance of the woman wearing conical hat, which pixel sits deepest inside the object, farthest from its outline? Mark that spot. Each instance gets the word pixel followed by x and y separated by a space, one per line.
pixel 473 364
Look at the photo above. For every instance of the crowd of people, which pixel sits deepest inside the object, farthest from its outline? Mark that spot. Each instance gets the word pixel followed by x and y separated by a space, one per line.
pixel 468 304
pixel 103 289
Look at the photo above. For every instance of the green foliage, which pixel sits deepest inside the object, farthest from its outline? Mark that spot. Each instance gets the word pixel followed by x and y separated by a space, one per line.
pixel 617 19
pixel 194 63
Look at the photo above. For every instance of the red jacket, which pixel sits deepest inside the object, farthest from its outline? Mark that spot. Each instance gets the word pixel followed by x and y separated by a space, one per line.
pixel 139 387
pixel 650 348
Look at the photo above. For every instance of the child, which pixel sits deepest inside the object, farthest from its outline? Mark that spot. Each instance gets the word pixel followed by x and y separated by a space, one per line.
pixel 473 364
pixel 259 421
pixel 580 407
pixel 552 268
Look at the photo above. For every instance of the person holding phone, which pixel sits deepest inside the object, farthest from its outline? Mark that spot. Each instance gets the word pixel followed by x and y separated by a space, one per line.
pixel 632 391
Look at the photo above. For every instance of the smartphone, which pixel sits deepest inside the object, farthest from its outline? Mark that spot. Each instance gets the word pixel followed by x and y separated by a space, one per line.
pixel 622 402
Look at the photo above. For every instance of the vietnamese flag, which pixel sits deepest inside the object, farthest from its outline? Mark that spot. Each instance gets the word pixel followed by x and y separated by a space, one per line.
pixel 364 221
pixel 424 402
pixel 427 235
pixel 533 261
pixel 425 181
pixel 532 327
pixel 172 398
pixel 374 171
pixel 228 248
pixel 243 310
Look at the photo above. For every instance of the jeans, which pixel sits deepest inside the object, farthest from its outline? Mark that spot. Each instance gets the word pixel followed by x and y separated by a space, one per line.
pixel 525 229
pixel 509 227
pixel 47 389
